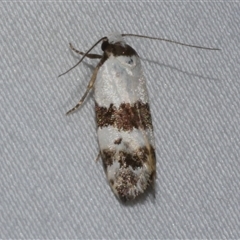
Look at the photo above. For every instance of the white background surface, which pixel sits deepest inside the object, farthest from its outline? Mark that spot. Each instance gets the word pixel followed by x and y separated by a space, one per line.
pixel 50 185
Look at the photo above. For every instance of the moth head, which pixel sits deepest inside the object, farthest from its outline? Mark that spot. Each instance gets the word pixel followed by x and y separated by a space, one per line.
pixel 115 45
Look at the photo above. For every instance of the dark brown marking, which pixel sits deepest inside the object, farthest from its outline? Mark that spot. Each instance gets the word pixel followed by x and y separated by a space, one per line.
pixel 107 158
pixel 126 159
pixel 111 181
pixel 118 141
pixel 126 117
pixel 117 49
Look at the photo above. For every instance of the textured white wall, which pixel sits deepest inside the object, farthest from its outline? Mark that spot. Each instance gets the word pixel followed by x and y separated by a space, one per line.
pixel 50 185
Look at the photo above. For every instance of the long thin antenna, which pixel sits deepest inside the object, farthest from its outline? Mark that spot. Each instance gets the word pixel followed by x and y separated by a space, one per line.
pixel 167 40
pixel 104 38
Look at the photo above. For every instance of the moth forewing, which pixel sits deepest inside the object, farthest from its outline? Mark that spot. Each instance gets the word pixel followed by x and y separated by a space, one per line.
pixel 124 124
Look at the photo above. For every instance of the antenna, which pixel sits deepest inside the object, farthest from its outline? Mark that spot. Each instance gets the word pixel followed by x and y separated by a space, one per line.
pixel 167 40
pixel 84 55
pixel 141 36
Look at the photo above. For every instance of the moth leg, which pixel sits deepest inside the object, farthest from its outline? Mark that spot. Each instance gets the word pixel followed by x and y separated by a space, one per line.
pixel 98 156
pixel 89 87
pixel 89 55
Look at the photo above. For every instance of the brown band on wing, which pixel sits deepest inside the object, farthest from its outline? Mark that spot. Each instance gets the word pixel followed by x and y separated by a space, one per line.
pixel 126 117
pixel 134 159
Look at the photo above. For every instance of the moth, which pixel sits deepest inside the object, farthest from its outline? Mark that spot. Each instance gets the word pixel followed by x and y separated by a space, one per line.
pixel 123 117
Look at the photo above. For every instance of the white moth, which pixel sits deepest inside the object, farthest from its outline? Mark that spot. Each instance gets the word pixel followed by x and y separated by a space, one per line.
pixel 124 125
